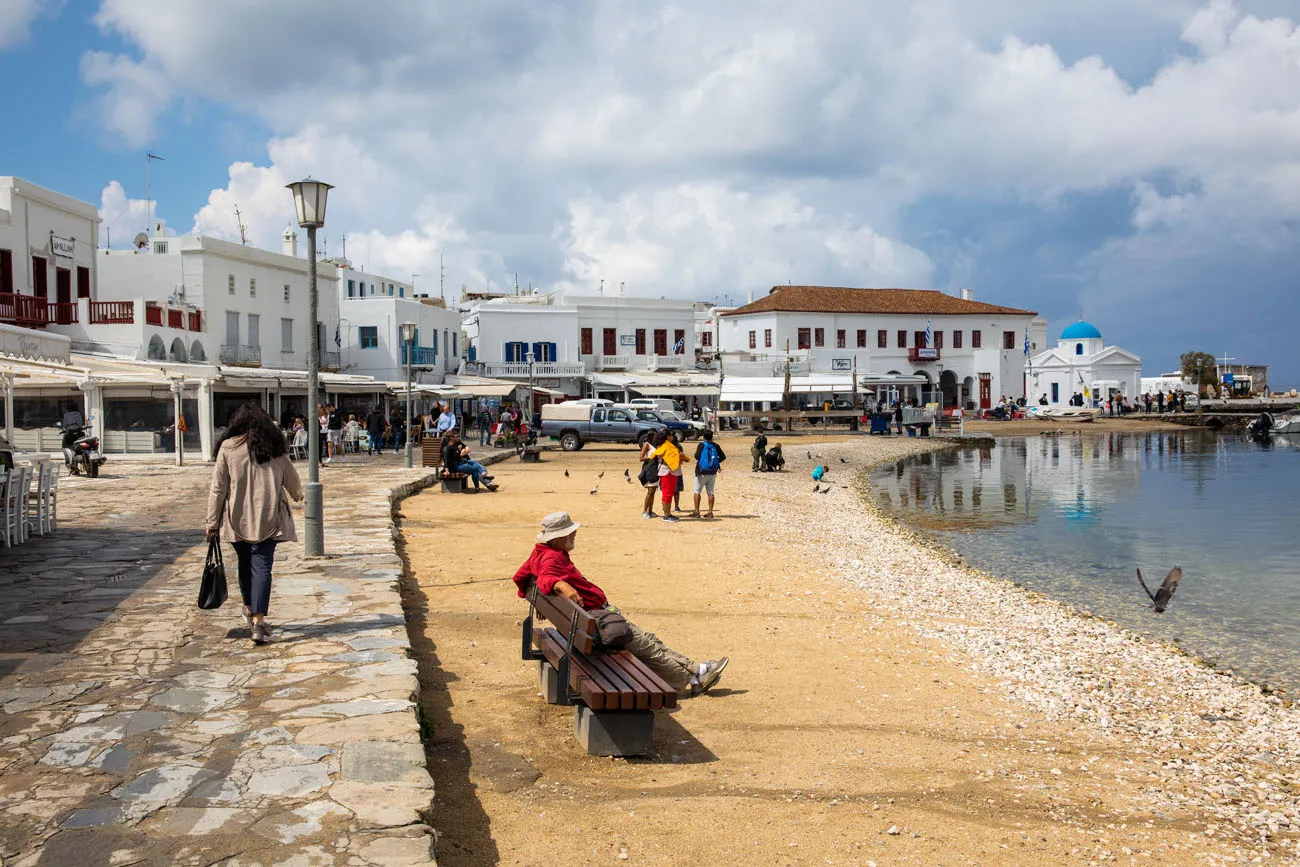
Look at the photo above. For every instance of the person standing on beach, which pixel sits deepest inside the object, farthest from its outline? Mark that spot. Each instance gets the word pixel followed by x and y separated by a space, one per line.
pixel 670 473
pixel 708 462
pixel 681 481
pixel 649 475
pixel 898 418
pixel 247 506
pixel 756 451
pixel 1160 402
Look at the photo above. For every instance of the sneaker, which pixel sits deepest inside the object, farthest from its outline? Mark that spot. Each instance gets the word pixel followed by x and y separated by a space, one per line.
pixel 248 619
pixel 493 488
pixel 712 673
pixel 261 635
pixel 671 519
pixel 327 460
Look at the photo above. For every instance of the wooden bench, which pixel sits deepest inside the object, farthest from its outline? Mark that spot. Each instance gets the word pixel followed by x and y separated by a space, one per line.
pixel 614 694
pixel 530 454
pixel 431 456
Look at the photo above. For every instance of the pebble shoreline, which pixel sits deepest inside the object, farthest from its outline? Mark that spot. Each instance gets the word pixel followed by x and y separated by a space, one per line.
pixel 1223 751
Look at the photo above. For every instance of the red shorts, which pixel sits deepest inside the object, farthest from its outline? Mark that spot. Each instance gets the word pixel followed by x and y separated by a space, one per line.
pixel 667 487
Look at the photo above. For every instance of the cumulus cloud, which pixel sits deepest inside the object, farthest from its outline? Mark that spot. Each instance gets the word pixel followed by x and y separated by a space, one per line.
pixel 123 217
pixel 697 149
pixel 16 17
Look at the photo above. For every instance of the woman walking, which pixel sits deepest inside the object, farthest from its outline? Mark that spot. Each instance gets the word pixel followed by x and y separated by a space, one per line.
pixel 247 506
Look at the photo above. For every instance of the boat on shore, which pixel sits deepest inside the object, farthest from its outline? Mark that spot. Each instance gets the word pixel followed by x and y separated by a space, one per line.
pixel 1065 414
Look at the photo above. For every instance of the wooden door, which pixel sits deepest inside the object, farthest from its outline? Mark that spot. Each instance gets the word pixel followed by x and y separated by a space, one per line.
pixel 661 341
pixel 986 391
pixel 40 278
pixel 640 341
pixel 62 286
pixel 610 341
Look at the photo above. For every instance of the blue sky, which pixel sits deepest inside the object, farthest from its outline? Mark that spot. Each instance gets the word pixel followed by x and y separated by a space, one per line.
pixel 1136 162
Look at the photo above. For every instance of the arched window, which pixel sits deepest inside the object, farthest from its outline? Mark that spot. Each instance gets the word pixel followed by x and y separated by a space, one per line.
pixel 1078 349
pixel 178 352
pixel 157 349
pixel 196 352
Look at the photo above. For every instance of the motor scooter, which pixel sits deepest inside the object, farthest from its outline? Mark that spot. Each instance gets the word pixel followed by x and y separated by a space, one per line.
pixel 81 450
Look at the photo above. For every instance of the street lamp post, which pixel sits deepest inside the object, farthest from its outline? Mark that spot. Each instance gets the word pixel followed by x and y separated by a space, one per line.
pixel 408 340
pixel 309 197
pixel 532 397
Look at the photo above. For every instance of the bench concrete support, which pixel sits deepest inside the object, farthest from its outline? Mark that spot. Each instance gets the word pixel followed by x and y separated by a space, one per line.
pixel 453 484
pixel 548 683
pixel 529 456
pixel 614 733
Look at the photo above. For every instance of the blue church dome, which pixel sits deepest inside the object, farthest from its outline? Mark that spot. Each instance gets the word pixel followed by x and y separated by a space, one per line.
pixel 1081 331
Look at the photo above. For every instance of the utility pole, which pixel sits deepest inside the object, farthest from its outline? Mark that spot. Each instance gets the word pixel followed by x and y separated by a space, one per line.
pixel 442 276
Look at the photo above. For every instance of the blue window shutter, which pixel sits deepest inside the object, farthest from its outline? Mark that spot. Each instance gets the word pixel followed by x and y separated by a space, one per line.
pixel 509 352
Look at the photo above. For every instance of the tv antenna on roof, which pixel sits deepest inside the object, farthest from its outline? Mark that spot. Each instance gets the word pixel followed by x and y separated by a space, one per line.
pixel 243 233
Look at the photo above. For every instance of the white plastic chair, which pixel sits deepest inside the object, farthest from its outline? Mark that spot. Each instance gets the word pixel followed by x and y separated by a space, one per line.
pixel 298 448
pixel 23 499
pixel 5 511
pixel 52 497
pixel 38 508
pixel 350 440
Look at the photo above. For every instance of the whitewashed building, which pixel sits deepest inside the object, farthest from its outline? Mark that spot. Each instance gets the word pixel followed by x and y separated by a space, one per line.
pixel 47 254
pixel 973 351
pixel 583 344
pixel 371 310
pixel 1082 363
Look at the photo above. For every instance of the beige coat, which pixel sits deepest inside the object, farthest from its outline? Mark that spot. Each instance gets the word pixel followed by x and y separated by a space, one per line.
pixel 247 500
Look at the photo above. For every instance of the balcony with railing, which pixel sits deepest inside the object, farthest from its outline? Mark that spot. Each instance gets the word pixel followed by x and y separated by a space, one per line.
pixel 613 362
pixel 241 356
pixel 112 313
pixel 25 311
pixel 541 368
pixel 921 354
pixel 63 314
pixel 421 356
pixel 330 360
pixel 667 362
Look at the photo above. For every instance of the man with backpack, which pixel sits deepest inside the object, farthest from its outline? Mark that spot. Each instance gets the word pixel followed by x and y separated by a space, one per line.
pixel 708 460
pixel 757 451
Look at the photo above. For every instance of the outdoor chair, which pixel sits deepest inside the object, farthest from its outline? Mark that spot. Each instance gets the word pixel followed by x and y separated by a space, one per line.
pixel 24 500
pixel 298 448
pixel 5 511
pixel 38 508
pixel 350 441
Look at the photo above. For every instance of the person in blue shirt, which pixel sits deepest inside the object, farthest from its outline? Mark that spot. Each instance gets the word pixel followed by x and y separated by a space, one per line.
pixel 819 472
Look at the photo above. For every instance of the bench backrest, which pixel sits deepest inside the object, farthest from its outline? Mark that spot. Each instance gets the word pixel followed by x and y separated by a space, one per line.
pixel 566 616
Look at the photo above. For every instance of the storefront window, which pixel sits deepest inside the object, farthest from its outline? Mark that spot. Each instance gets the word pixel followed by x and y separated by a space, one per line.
pixel 146 425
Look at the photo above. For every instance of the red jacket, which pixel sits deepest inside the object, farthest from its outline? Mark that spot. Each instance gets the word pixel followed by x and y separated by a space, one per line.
pixel 548 566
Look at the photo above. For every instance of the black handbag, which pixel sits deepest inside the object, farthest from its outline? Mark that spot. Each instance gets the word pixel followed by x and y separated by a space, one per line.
pixel 649 474
pixel 612 629
pixel 212 589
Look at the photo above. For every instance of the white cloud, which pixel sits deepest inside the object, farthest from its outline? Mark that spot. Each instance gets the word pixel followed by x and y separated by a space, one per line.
pixel 16 17
pixel 123 218
pixel 701 147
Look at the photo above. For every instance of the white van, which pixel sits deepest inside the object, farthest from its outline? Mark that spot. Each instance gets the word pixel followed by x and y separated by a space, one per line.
pixel 592 401
pixel 659 404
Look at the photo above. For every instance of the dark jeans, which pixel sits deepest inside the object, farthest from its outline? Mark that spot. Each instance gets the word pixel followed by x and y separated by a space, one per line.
pixel 474 470
pixel 255 560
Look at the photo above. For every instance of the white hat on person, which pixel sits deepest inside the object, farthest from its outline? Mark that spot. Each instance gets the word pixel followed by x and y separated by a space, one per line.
pixel 557 525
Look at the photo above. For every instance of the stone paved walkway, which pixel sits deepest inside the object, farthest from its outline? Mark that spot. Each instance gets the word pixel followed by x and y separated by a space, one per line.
pixel 137 729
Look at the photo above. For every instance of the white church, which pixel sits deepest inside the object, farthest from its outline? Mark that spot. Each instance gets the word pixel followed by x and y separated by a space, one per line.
pixel 1082 363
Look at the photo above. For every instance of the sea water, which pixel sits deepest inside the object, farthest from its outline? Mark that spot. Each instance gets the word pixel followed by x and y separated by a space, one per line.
pixel 1073 516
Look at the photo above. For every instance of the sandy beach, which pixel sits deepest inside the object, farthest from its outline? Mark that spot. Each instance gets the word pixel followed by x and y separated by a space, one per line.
pixel 885 704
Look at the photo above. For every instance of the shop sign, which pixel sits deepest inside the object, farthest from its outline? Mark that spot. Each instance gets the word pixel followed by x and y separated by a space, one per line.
pixel 65 247
pixel 841 364
pixel 547 382
pixel 627 340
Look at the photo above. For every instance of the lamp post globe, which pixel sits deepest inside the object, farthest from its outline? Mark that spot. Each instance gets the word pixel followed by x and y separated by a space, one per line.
pixel 309 199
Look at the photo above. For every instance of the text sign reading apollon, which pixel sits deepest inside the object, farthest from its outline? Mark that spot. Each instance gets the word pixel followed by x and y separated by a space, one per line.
pixel 65 247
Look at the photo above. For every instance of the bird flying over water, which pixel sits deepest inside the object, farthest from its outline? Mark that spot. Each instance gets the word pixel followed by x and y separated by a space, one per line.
pixel 1160 599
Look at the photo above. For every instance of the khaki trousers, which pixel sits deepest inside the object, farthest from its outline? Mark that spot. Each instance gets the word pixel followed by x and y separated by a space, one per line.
pixel 672 666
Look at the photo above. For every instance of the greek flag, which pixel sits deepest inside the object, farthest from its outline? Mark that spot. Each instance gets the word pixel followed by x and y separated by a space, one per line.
pixel 929 338
pixel 1026 343
pixel 677 347
pixel 338 338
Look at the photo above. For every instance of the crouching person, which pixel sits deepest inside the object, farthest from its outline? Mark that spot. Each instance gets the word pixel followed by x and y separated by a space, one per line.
pixel 553 570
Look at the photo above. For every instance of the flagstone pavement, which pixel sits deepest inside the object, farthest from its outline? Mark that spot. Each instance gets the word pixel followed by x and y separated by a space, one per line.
pixel 137 729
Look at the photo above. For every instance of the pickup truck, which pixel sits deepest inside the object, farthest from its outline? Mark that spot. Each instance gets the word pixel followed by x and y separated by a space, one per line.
pixel 575 425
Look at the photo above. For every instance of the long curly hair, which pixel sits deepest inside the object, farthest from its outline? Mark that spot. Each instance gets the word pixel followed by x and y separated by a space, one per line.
pixel 265 441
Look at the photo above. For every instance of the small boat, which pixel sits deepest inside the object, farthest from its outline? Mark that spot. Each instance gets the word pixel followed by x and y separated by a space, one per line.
pixel 1072 414
pixel 1287 424
pixel 1266 425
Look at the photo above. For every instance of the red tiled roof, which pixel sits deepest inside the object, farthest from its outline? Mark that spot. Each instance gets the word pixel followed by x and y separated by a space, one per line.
pixel 841 299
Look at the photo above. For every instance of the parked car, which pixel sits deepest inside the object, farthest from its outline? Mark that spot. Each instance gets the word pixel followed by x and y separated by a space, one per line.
pixel 575 425
pixel 658 404
pixel 670 420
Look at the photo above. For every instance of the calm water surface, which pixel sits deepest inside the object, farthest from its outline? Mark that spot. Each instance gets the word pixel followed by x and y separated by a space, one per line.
pixel 1073 516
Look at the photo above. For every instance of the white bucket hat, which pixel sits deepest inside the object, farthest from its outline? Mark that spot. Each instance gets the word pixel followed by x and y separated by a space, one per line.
pixel 557 525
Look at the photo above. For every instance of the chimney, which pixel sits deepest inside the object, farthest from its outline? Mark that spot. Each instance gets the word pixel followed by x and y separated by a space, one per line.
pixel 967 294
pixel 289 242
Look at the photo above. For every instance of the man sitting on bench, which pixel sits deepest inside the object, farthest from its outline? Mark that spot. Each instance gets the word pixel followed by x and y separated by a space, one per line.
pixel 554 572
pixel 455 459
